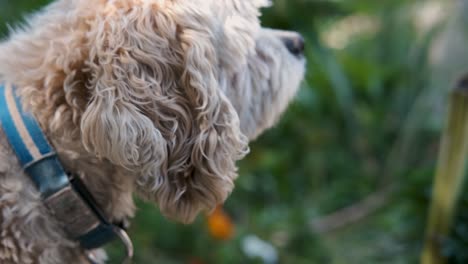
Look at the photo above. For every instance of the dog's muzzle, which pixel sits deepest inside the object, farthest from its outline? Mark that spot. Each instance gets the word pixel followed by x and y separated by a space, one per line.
pixel 293 41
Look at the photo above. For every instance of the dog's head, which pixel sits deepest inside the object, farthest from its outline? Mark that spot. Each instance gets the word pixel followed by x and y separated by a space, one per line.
pixel 172 91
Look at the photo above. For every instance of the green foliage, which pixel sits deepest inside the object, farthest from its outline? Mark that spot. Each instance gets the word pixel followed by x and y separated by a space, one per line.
pixel 455 246
pixel 13 11
pixel 361 122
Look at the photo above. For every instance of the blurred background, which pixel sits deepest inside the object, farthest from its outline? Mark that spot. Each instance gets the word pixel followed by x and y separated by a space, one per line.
pixel 346 175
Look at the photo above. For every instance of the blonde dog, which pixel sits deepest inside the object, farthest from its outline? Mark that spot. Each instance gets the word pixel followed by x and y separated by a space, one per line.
pixel 154 97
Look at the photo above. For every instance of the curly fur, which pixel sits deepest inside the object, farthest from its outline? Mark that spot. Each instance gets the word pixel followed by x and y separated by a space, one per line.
pixel 156 97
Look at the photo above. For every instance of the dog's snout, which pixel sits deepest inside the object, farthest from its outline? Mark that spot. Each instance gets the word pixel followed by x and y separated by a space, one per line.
pixel 294 43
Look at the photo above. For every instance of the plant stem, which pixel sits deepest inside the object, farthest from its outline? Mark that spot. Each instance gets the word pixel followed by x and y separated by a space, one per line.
pixel 449 175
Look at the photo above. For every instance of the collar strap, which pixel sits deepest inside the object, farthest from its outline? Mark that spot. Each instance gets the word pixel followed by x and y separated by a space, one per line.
pixel 66 197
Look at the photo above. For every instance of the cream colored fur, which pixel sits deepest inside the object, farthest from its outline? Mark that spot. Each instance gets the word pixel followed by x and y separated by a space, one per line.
pixel 154 97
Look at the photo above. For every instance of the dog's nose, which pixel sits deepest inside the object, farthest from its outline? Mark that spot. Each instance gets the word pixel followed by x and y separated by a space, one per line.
pixel 295 44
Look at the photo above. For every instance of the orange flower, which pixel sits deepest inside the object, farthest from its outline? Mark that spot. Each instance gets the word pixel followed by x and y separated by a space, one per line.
pixel 220 224
pixel 195 260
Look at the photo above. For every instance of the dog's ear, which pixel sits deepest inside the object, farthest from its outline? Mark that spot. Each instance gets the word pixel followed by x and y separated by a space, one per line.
pixel 156 108
pixel 113 125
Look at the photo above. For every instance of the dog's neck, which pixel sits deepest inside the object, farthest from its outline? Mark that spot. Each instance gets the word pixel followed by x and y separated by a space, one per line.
pixel 110 185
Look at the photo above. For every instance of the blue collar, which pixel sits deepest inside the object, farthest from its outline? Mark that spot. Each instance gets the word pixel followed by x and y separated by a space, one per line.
pixel 65 196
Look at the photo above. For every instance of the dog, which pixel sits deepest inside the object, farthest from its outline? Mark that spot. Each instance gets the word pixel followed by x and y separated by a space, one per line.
pixel 154 97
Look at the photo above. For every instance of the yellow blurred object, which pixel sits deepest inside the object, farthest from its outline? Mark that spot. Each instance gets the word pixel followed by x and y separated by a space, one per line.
pixel 220 224
pixel 450 176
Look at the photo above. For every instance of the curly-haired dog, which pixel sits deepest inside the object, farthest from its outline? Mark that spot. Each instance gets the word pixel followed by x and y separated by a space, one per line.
pixel 154 97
